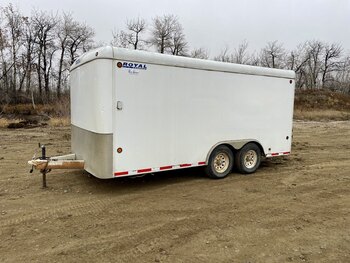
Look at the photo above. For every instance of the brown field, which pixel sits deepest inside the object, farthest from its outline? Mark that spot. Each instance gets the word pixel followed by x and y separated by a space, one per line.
pixel 295 209
pixel 321 115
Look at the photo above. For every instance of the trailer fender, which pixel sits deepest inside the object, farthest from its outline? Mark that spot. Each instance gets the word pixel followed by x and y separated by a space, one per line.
pixel 234 146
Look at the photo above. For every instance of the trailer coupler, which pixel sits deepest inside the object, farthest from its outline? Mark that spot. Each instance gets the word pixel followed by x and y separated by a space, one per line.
pixel 46 164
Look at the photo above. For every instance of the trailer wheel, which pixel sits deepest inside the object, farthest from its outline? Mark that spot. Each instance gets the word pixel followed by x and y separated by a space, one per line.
pixel 220 162
pixel 248 158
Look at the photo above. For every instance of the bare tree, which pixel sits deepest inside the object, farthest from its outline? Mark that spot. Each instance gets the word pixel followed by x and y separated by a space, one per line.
pixel 80 40
pixel 272 55
pixel 314 51
pixel 332 52
pixel 137 27
pixel 4 45
pixel 44 26
pixel 240 55
pixel 120 39
pixel 178 44
pixel 163 31
pixel 224 55
pixel 66 24
pixel 28 53
pixel 199 53
pixel 14 23
pixel 133 37
pixel 297 61
pixel 297 58
pixel 254 59
pixel 342 76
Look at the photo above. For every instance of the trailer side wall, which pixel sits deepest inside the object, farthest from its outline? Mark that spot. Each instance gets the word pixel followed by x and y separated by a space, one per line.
pixel 174 115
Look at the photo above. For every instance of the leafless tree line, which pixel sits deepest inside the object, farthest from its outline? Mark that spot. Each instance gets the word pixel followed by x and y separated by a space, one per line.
pixel 317 64
pixel 36 53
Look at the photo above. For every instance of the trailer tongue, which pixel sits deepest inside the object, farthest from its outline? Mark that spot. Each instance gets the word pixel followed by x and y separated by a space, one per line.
pixel 46 164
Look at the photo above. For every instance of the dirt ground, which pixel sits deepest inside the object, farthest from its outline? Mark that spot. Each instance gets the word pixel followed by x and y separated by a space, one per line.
pixel 294 209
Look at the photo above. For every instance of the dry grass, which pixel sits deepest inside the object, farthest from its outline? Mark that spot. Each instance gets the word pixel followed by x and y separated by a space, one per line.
pixel 59 122
pixel 312 100
pixel 5 122
pixel 321 115
pixel 53 122
pixel 59 108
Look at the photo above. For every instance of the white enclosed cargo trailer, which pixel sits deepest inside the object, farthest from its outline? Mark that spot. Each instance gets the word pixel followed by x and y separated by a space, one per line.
pixel 136 112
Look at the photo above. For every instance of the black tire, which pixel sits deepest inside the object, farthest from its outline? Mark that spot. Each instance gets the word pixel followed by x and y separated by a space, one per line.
pixel 248 158
pixel 220 162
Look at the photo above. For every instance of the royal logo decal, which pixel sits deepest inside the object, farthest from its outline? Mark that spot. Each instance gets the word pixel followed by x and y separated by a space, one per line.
pixel 131 65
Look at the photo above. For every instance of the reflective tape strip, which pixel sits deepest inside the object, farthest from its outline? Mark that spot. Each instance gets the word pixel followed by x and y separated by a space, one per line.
pixel 144 170
pixel 277 154
pixel 165 167
pixel 121 173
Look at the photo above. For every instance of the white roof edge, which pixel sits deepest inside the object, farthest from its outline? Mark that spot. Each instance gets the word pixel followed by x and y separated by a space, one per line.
pixel 179 61
pixel 106 52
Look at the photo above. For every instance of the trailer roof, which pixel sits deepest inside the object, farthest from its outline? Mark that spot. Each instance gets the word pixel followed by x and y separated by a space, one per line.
pixel 146 57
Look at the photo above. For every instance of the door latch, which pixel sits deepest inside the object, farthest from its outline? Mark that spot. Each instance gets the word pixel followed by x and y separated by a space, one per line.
pixel 119 105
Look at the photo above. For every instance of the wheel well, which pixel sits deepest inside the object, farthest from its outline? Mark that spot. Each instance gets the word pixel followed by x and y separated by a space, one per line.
pixel 230 147
pixel 259 145
pixel 233 149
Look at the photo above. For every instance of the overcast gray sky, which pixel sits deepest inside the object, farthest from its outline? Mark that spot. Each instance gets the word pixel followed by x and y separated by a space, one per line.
pixel 217 23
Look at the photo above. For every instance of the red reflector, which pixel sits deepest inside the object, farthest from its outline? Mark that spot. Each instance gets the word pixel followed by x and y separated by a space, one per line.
pixel 144 170
pixel 121 173
pixel 166 167
pixel 201 163
pixel 185 165
pixel 286 153
pixel 274 154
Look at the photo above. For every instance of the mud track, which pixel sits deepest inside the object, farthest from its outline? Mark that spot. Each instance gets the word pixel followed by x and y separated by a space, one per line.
pixel 294 209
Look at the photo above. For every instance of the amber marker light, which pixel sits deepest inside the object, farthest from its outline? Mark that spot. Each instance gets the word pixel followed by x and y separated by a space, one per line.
pixel 119 64
pixel 119 150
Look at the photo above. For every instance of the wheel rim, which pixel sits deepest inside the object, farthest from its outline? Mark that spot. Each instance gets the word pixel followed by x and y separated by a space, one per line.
pixel 250 159
pixel 221 162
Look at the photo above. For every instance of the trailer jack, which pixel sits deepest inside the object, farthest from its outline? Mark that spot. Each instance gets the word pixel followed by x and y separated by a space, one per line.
pixel 47 164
